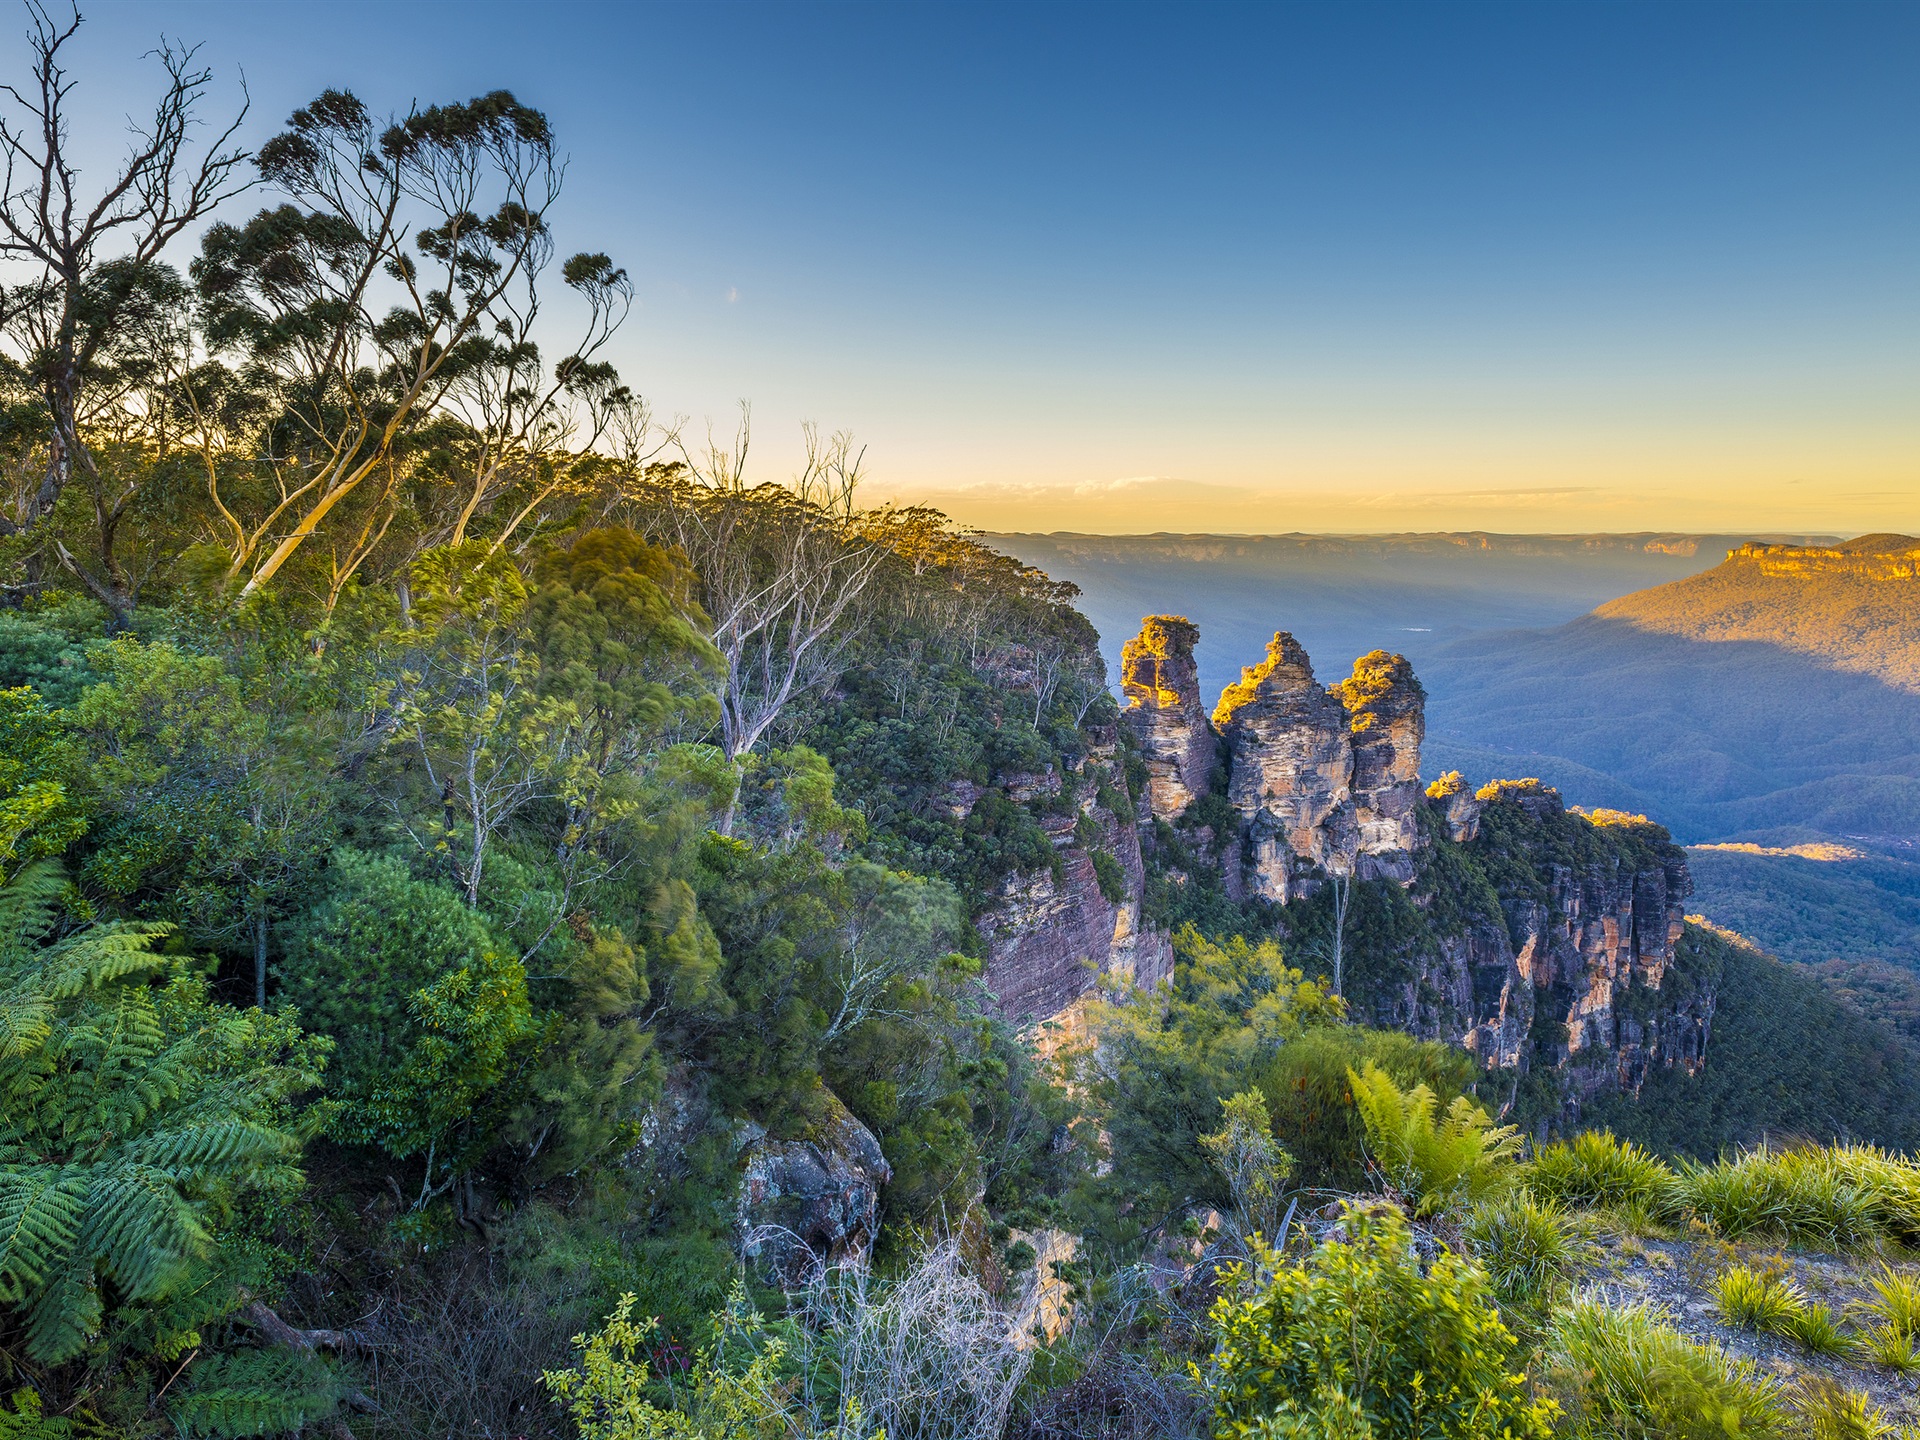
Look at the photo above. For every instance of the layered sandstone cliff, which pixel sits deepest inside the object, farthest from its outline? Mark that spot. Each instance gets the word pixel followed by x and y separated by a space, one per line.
pixel 1570 966
pixel 1051 933
pixel 1532 935
pixel 1165 715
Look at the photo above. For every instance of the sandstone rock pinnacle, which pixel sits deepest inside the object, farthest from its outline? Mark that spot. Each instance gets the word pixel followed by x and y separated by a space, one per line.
pixel 1292 771
pixel 1165 714
pixel 1387 718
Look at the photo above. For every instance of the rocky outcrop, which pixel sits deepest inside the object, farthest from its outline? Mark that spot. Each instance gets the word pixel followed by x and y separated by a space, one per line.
pixel 1571 971
pixel 1051 933
pixel 1165 715
pixel 1386 710
pixel 814 1200
pixel 1459 805
pixel 1327 781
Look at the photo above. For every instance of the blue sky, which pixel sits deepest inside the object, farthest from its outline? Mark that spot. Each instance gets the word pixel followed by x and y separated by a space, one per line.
pixel 1355 267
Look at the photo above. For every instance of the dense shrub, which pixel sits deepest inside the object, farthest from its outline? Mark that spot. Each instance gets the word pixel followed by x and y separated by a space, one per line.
pixel 1357 1340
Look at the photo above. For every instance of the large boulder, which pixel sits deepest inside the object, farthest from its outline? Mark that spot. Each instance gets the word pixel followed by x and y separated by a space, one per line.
pixel 814 1200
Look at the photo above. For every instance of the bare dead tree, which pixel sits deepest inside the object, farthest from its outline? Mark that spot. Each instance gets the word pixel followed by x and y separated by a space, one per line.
pixel 782 569
pixel 58 321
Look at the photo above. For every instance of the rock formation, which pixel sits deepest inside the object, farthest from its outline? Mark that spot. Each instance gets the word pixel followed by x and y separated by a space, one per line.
pixel 1529 934
pixel 1290 771
pixel 1386 710
pixel 1327 781
pixel 1051 933
pixel 1590 944
pixel 1459 805
pixel 1165 715
pixel 813 1200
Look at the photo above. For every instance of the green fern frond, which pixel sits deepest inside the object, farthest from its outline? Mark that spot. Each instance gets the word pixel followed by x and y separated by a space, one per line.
pixel 30 900
pixel 102 954
pixel 41 1211
pixel 141 1229
pixel 23 1418
pixel 64 1313
pixel 256 1392
pixel 226 1146
pixel 26 1019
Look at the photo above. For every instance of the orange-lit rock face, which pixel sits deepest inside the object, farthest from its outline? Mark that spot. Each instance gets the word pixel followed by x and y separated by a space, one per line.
pixel 1291 771
pixel 1165 713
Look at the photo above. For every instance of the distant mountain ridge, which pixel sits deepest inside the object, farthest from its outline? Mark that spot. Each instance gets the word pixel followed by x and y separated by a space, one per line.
pixel 1854 606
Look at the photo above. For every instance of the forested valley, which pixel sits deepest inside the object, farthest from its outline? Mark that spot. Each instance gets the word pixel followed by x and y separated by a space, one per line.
pixel 497 902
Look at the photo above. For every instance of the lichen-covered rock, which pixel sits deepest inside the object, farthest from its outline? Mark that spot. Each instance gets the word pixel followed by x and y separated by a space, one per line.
pixel 1290 771
pixel 1165 715
pixel 814 1200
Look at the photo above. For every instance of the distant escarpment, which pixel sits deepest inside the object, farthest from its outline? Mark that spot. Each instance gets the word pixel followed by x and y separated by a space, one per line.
pixel 1546 941
pixel 1854 606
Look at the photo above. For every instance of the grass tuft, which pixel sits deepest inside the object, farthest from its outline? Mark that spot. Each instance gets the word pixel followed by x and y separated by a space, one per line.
pixel 1596 1169
pixel 1530 1248
pixel 1829 1411
pixel 1887 1347
pixel 1624 1374
pixel 1804 1197
pixel 1899 1303
pixel 1756 1299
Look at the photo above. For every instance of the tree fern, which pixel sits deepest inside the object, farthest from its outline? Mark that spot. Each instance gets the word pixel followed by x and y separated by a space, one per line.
pixel 255 1392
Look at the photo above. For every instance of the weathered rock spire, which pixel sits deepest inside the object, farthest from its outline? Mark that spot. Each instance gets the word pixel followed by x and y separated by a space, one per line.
pixel 1165 714
pixel 1291 771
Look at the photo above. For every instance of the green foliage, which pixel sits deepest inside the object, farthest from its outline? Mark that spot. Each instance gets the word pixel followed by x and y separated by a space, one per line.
pixel 1355 1340
pixel 254 1392
pixel 1758 1299
pixel 1176 1053
pixel 425 1013
pixel 1435 1160
pixel 1313 1105
pixel 1530 1249
pixel 1624 1374
pixel 137 1114
pixel 1826 1410
pixel 1595 1168
pixel 1110 877
pixel 1898 1302
pixel 1830 901
pixel 1804 1197
pixel 1254 1167
pixel 37 818
pixel 608 1395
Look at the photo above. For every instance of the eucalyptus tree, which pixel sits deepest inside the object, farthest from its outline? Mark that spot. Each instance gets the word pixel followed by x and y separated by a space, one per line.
pixel 396 287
